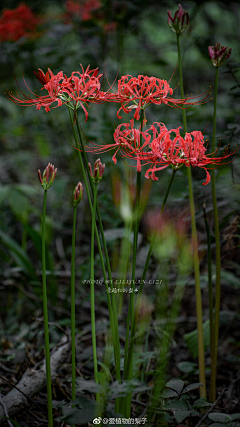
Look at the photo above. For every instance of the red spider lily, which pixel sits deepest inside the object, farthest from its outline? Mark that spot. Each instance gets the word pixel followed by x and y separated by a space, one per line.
pixel 77 90
pixel 142 91
pixel 17 23
pixel 178 151
pixel 127 144
pixel 219 54
pixel 43 78
pixel 157 146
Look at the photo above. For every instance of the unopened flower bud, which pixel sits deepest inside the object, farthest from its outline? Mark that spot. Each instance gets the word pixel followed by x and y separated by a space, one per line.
pixel 48 176
pixel 77 194
pixel 219 54
pixel 97 171
pixel 180 21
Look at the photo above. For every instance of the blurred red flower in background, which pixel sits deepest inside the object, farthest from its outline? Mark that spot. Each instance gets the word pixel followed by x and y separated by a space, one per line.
pixel 82 9
pixel 17 23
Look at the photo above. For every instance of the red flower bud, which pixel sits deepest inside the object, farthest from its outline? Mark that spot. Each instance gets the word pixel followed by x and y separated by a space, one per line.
pixel 97 171
pixel 180 21
pixel 48 176
pixel 77 194
pixel 219 54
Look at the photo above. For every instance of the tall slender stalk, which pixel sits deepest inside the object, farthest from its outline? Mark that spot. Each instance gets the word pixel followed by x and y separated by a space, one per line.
pixel 128 357
pixel 45 316
pixel 94 343
pixel 212 396
pixel 73 306
pixel 210 290
pixel 111 301
pixel 201 360
pixel 131 346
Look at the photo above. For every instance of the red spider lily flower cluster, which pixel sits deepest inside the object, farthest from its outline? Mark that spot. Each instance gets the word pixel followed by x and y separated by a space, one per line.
pixel 219 54
pixel 17 23
pixel 49 175
pixel 127 143
pixel 76 91
pixel 82 9
pixel 177 151
pixel 142 91
pixel 84 88
pixel 180 21
pixel 160 148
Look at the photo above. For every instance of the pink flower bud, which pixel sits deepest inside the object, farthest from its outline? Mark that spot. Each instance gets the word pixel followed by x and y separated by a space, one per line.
pixel 219 54
pixel 180 21
pixel 97 171
pixel 77 194
pixel 48 176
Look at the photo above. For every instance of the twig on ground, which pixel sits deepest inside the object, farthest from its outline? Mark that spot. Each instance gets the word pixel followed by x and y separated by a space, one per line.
pixel 212 407
pixel 20 391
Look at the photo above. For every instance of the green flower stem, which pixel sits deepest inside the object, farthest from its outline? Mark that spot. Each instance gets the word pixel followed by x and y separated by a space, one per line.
pixel 201 360
pixel 112 311
pixel 210 290
pixel 45 317
pixel 73 306
pixel 144 276
pixel 128 356
pixel 218 256
pixel 94 343
pixel 124 258
pixel 114 305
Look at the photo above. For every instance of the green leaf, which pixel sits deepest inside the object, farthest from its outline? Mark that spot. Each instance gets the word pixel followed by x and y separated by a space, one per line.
pixel 181 415
pixel 176 385
pixel 219 425
pixel 18 254
pixel 106 370
pixel 36 238
pixel 177 404
pixel 166 394
pixel 121 390
pixel 222 418
pixel 84 412
pixel 18 202
pixel 179 408
pixel 187 367
pixel 235 417
pixel 89 386
pixel 4 192
pixel 201 403
pixel 190 387
pixel 191 339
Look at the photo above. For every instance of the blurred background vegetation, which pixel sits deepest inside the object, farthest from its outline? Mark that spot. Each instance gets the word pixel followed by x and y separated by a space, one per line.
pixel 120 37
